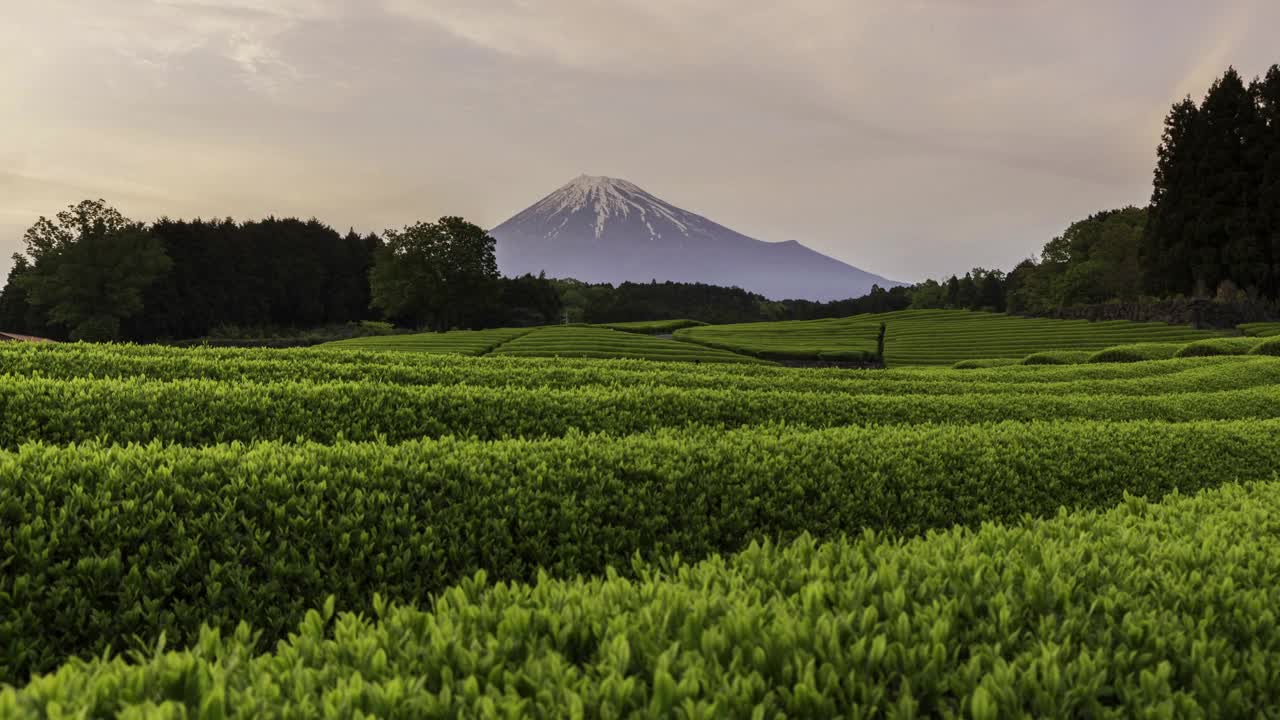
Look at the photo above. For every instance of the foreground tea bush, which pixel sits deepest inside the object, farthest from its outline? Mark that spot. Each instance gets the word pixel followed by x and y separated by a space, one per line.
pixel 1164 610
pixel 102 544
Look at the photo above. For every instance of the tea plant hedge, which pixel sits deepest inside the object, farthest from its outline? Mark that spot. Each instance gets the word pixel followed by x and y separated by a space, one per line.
pixel 102 543
pixel 1218 346
pixel 1058 357
pixel 985 363
pixel 264 366
pixel 1144 610
pixel 524 514
pixel 935 337
pixel 1267 347
pixel 202 412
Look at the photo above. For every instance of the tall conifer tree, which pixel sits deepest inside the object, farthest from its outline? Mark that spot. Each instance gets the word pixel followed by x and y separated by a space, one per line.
pixel 1166 242
pixel 1267 96
pixel 1224 245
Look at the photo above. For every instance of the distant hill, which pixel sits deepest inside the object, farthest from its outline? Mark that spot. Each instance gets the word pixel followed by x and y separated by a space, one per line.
pixel 601 229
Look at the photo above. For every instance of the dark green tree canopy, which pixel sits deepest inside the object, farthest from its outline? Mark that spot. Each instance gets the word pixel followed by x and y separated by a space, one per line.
pixel 89 268
pixel 438 275
pixel 1213 225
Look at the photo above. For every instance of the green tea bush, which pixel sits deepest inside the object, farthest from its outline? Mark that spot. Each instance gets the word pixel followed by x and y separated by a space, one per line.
pixel 462 342
pixel 652 327
pixel 1267 347
pixel 1260 329
pixel 202 412
pixel 985 363
pixel 1058 357
pixel 1137 352
pixel 1218 346
pixel 936 337
pixel 103 543
pixel 1145 610
pixel 67 361
pixel 602 342
pixel 848 355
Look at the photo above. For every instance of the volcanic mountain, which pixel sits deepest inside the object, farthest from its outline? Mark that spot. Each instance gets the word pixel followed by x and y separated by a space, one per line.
pixel 600 229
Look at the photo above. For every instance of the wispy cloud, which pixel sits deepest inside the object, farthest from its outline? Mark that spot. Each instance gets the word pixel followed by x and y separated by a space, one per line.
pixel 911 137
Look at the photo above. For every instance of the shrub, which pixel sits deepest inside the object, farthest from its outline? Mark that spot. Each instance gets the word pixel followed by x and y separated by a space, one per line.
pixel 201 412
pixel 1138 352
pixel 1267 347
pixel 1083 615
pixel 848 355
pixel 1058 357
pixel 652 327
pixel 103 543
pixel 985 363
pixel 1218 346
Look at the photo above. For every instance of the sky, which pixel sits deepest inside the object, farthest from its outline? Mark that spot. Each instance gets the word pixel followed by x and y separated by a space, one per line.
pixel 912 138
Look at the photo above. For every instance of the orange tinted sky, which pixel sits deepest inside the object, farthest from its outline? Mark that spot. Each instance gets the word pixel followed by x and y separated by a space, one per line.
pixel 908 137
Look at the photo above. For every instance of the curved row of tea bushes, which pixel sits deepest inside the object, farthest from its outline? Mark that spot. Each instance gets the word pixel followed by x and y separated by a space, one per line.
pixel 937 337
pixel 199 412
pixel 1218 346
pixel 1058 357
pixel 985 363
pixel 1143 352
pixel 99 544
pixel 1137 352
pixel 1161 610
pixel 652 327
pixel 601 342
pixel 462 342
pixel 72 361
pixel 79 359
pixel 1260 329
pixel 1267 347
pixel 1212 347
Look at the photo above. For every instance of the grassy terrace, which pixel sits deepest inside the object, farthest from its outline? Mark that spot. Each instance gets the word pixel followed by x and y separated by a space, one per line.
pixel 598 342
pixel 1261 329
pixel 627 341
pixel 461 342
pixel 652 327
pixel 935 337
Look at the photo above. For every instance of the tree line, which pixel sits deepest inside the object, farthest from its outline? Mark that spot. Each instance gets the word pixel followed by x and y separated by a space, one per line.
pixel 632 301
pixel 1212 228
pixel 90 273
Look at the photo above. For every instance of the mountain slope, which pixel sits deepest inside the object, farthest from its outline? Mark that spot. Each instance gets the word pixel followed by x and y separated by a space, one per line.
pixel 601 229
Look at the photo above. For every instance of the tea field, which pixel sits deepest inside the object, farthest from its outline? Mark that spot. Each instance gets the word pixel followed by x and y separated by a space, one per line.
pixel 914 338
pixel 354 532
pixel 933 337
pixel 1138 352
pixel 617 341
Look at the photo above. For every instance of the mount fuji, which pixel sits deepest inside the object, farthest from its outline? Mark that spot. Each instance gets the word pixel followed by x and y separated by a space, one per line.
pixel 601 229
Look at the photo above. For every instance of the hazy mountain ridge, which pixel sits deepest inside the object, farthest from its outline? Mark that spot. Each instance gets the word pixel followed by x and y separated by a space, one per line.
pixel 601 229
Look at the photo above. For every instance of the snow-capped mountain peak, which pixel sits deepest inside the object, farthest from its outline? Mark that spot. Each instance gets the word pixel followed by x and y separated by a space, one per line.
pixel 604 229
pixel 607 199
